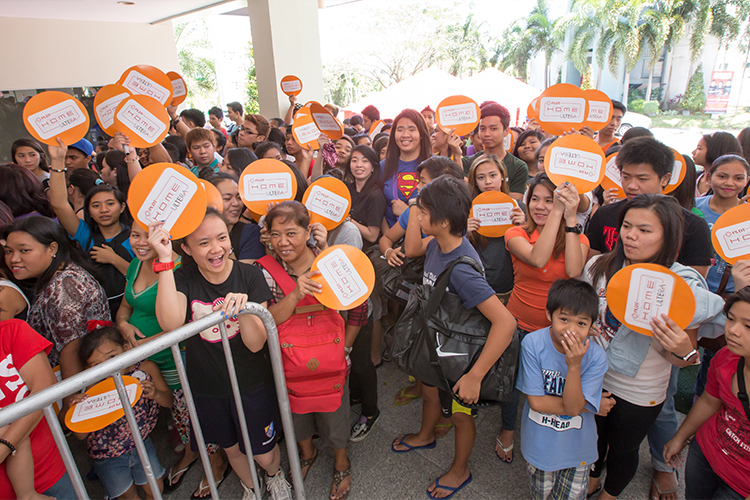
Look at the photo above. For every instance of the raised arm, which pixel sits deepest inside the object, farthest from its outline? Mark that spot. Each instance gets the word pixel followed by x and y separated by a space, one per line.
pixel 58 190
pixel 170 304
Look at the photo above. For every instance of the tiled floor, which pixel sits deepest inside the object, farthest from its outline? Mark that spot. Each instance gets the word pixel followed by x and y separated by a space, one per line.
pixel 378 473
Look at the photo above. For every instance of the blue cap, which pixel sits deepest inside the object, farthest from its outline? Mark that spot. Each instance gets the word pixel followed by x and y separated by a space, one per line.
pixel 83 146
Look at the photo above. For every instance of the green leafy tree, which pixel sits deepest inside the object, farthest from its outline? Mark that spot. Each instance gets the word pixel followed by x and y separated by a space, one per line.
pixel 588 79
pixel 253 100
pixel 196 62
pixel 694 99
pixel 514 50
pixel 586 25
pixel 543 35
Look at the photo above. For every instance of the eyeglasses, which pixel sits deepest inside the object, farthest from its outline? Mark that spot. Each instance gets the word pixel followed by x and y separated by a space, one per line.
pixel 247 131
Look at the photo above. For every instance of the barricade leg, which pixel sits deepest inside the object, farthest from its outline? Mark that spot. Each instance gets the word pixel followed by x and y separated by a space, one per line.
pixel 188 394
pixel 136 432
pixel 282 396
pixel 240 409
pixel 64 449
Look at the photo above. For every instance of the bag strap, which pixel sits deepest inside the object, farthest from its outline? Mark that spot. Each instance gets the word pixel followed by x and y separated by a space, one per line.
pixel 742 392
pixel 277 272
pixel 724 280
pixel 441 284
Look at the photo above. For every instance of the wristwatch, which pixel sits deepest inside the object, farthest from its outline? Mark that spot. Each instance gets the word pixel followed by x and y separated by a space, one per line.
pixel 578 229
pixel 162 266
pixel 687 356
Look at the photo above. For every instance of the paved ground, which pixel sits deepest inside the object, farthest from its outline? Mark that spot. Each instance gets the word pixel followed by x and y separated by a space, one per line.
pixel 378 473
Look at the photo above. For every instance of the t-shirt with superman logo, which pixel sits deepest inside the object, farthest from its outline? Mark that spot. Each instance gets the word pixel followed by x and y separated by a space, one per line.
pixel 402 186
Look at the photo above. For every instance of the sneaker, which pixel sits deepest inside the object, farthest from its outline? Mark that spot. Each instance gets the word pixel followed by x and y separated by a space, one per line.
pixel 279 487
pixel 362 428
pixel 249 494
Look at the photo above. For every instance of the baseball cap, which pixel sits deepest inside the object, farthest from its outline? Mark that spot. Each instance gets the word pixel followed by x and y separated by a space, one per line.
pixel 84 146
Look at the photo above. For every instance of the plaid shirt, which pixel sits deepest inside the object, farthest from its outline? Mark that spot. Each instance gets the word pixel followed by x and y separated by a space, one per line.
pixel 354 317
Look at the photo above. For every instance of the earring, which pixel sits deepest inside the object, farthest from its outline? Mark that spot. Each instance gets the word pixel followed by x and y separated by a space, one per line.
pixel 54 256
pixel 231 250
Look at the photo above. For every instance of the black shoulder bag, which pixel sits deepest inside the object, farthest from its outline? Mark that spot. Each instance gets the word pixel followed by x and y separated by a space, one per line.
pixel 742 390
pixel 438 340
pixel 113 282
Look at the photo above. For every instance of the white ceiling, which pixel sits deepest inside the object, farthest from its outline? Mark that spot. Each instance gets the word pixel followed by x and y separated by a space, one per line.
pixel 144 11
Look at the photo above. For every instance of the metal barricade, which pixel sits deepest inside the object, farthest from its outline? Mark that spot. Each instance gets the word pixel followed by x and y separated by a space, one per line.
pixel 111 368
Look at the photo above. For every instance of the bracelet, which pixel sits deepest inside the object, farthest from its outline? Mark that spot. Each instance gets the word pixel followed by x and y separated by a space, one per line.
pixel 386 253
pixel 9 445
pixel 59 171
pixel 348 350
pixel 131 161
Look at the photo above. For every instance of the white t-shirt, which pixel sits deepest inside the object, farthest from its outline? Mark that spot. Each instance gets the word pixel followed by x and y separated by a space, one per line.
pixel 649 387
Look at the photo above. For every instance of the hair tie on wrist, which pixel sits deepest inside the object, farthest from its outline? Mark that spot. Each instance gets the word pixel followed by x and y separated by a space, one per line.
pixel 93 324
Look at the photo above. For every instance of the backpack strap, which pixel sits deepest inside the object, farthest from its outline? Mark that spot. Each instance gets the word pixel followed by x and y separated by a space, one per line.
pixel 287 285
pixel 277 272
pixel 742 390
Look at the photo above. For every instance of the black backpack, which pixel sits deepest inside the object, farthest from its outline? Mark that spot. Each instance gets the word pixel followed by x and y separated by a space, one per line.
pixel 112 280
pixel 438 340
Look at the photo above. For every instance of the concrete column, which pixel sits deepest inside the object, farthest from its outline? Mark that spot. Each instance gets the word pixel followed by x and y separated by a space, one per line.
pixel 286 41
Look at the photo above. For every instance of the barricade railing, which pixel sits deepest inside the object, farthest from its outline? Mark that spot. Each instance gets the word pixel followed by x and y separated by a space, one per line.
pixel 44 399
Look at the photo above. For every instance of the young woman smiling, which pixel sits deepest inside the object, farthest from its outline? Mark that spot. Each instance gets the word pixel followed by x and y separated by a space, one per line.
pixel 408 146
pixel 525 149
pixel 362 176
pixel 210 282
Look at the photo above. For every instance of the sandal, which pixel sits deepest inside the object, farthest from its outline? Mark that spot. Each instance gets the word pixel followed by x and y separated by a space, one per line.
pixel 447 488
pixel 338 478
pixel 307 462
pixel 169 483
pixel 403 394
pixel 670 491
pixel 506 451
pixel 205 491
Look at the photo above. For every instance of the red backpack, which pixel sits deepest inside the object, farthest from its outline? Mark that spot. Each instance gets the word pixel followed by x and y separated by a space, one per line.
pixel 312 349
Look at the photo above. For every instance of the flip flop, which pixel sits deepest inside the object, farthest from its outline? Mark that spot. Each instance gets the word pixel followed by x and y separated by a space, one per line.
pixel 308 462
pixel 661 492
pixel 402 394
pixel 338 478
pixel 506 451
pixel 171 486
pixel 206 488
pixel 409 447
pixel 449 488
pixel 596 491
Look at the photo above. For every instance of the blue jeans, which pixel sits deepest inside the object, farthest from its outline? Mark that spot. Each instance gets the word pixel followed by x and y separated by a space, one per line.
pixel 665 426
pixel 701 481
pixel 62 489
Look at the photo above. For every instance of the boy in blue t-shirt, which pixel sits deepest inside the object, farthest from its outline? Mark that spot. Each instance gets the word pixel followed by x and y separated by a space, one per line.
pixel 562 375
pixel 444 206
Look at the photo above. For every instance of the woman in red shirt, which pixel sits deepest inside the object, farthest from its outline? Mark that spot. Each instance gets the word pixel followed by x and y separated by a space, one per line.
pixel 718 463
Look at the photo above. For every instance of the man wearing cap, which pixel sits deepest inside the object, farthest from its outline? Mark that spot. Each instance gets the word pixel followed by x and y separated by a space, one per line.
pixel 79 155
pixel 493 125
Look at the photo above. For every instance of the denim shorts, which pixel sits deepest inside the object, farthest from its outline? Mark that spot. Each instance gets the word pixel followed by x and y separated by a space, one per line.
pixel 119 473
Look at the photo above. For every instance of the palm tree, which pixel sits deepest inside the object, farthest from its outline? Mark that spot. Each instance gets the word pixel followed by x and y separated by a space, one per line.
pixel 515 48
pixel 543 35
pixel 656 30
pixel 622 40
pixel 585 21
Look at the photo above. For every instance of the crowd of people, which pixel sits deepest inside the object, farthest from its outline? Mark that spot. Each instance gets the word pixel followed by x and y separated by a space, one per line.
pixel 80 283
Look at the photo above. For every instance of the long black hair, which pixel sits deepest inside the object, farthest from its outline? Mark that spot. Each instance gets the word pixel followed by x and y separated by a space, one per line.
pixel 116 160
pixel 23 192
pixel 45 231
pixel 669 213
pixel 393 153
pixel 125 218
pixel 373 182
pixel 33 144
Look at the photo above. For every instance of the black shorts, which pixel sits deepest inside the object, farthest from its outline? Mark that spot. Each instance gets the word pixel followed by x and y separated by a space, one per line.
pixel 221 425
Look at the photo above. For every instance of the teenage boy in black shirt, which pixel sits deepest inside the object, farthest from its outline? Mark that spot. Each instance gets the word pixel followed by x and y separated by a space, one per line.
pixel 646 165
